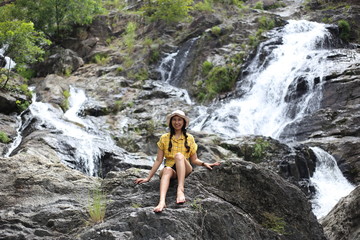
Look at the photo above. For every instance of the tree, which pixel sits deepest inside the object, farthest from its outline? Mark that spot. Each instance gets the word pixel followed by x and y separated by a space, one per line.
pixel 167 10
pixel 54 16
pixel 23 44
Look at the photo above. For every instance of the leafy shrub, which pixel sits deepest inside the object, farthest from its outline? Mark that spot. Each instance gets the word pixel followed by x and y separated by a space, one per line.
pixel 167 10
pixel 344 28
pixel 216 30
pixel 259 5
pixel 206 6
pixel 220 79
pixel 4 137
pixel 266 23
pixel 22 105
pixel 206 67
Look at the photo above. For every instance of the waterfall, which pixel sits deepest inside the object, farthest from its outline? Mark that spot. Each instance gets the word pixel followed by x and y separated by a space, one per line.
pixel 173 65
pixel 9 63
pixel 77 140
pixel 282 84
pixel 329 182
pixel 23 121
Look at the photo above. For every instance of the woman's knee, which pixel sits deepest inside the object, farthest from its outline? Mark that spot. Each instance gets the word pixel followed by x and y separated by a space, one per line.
pixel 179 157
pixel 167 172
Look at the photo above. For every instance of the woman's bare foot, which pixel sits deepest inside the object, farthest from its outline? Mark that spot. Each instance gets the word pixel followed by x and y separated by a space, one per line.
pixel 159 207
pixel 180 198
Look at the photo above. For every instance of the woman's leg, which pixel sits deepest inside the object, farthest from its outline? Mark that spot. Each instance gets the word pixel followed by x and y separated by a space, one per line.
pixel 166 175
pixel 183 169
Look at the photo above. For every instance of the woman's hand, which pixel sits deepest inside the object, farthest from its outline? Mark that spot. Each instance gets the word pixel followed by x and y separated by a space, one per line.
pixel 210 165
pixel 141 180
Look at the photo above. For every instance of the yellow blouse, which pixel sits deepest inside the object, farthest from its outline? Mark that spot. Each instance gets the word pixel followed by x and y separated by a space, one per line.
pixel 178 146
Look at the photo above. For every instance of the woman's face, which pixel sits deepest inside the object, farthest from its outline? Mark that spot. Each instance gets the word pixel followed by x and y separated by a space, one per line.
pixel 177 122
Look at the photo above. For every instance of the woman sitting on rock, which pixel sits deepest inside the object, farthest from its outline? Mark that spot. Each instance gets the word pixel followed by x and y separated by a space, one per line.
pixel 179 148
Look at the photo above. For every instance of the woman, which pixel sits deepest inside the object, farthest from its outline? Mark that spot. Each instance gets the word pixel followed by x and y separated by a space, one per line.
pixel 179 148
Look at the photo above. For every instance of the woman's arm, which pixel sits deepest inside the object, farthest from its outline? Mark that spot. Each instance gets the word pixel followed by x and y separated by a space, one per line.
pixel 194 160
pixel 155 167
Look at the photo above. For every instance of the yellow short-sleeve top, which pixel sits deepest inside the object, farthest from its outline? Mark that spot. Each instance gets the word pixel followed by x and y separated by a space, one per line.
pixel 178 146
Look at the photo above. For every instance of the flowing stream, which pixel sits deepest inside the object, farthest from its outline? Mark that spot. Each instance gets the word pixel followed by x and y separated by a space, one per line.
pixel 329 182
pixel 77 140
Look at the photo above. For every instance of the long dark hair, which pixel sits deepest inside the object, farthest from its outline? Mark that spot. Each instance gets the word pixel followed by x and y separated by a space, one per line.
pixel 172 133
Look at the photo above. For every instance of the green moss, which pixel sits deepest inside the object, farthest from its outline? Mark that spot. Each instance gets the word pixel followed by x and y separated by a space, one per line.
pixel 274 223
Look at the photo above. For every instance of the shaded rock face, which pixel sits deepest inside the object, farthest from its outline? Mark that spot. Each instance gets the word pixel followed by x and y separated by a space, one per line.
pixel 343 220
pixel 62 61
pixel 294 163
pixel 42 199
pixel 236 192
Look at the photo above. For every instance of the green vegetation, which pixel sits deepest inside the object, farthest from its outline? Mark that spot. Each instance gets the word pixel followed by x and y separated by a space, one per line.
pixel 220 79
pixel 24 43
pixel 100 58
pixel 52 17
pixel 65 104
pixel 260 148
pixel 22 105
pixel 196 205
pixel 129 37
pixel 4 137
pixel 274 223
pixel 205 6
pixel 206 67
pixel 216 30
pixel 167 10
pixel 259 5
pixel 136 205
pixel 344 28
pixel 97 206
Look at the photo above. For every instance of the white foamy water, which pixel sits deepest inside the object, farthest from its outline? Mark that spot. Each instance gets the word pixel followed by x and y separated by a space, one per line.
pixel 270 99
pixel 78 141
pixel 329 182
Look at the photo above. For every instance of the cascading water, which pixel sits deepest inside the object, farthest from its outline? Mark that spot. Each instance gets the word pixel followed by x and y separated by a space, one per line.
pixel 278 89
pixel 173 65
pixel 77 140
pixel 282 85
pixel 329 182
pixel 9 63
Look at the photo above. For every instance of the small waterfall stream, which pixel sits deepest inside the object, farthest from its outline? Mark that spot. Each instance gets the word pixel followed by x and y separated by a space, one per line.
pixel 329 182
pixel 77 140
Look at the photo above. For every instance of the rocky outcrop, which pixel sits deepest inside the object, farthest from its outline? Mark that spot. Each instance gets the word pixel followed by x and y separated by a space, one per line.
pixel 294 163
pixel 342 223
pixel 62 62
pixel 43 199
